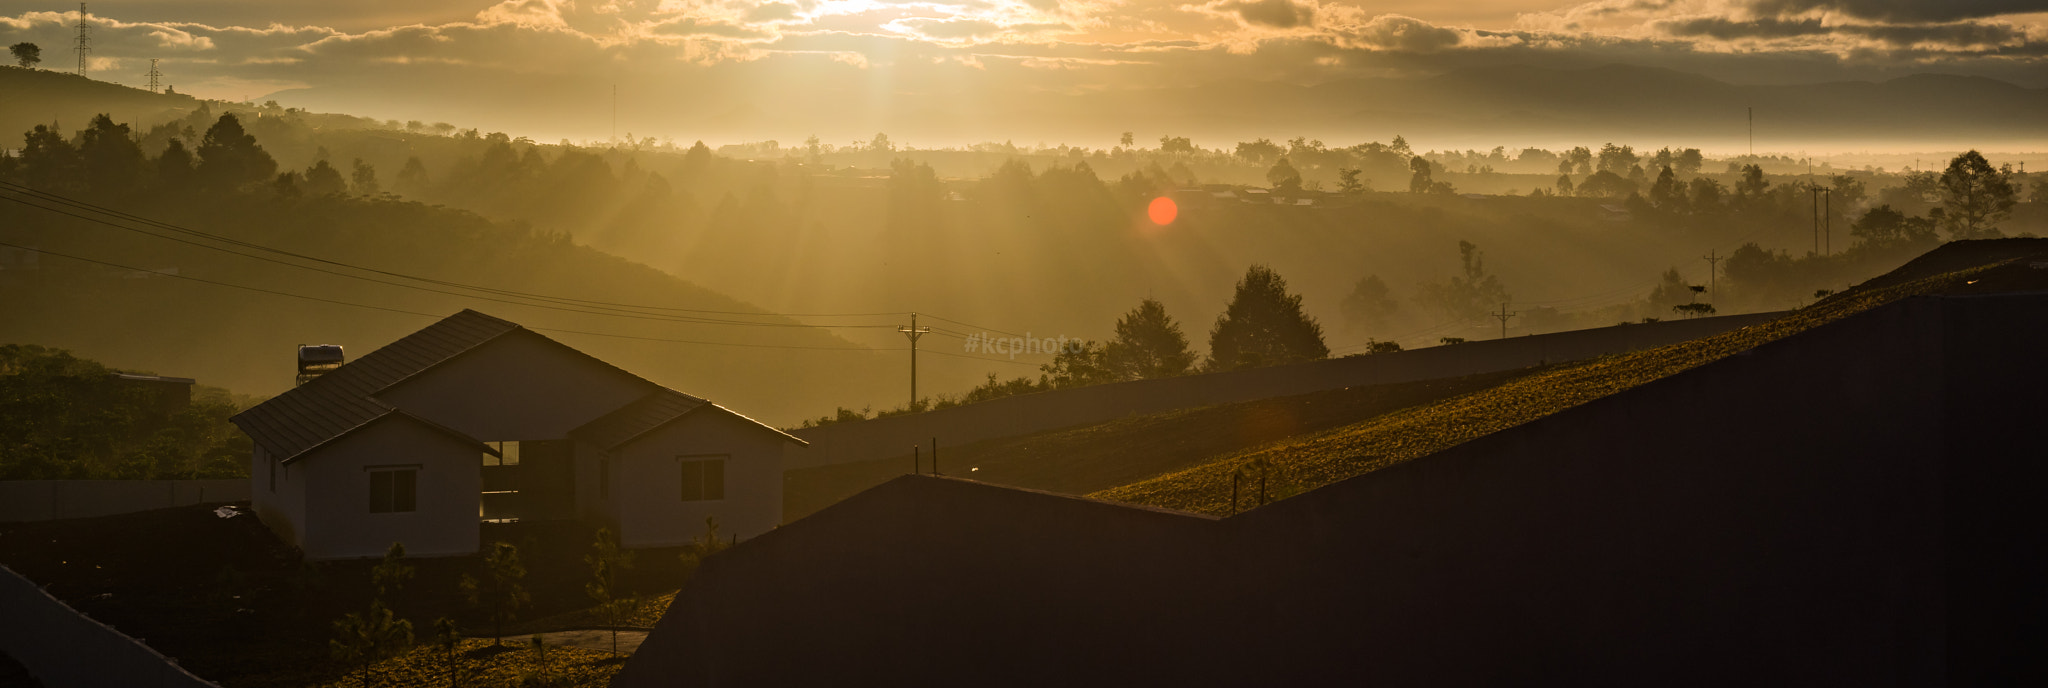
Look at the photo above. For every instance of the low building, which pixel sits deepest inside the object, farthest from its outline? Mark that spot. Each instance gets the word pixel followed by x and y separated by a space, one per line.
pixel 395 447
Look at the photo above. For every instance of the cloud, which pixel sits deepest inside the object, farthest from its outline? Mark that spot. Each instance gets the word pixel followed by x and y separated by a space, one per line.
pixel 1395 32
pixel 1279 14
pixel 1900 11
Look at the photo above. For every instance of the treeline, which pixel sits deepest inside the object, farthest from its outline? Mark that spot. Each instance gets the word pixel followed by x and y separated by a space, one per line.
pixel 70 418
pixel 1263 325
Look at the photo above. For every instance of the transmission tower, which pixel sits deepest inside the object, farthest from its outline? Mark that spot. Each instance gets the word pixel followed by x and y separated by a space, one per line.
pixel 84 46
pixel 155 77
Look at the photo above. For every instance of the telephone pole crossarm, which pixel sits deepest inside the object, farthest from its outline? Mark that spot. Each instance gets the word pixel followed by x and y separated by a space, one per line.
pixel 1503 315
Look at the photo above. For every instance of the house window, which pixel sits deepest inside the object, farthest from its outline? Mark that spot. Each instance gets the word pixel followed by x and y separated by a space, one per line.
pixel 703 478
pixel 508 454
pixel 394 491
pixel 604 478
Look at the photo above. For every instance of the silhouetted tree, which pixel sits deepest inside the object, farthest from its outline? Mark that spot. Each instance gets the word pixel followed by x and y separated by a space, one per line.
pixel 111 158
pixel 1468 295
pixel 1670 291
pixel 1706 195
pixel 1258 151
pixel 1079 365
pixel 1348 182
pixel 1264 325
pixel 26 54
pixel 1667 194
pixel 607 560
pixel 1370 305
pixel 1751 187
pixel 1149 344
pixel 1882 227
pixel 1283 178
pixel 50 162
pixel 1687 163
pixel 1420 181
pixel 1605 184
pixel 363 179
pixel 1176 144
pixel 502 590
pixel 229 157
pixel 1127 140
pixel 1976 195
pixel 1564 185
pixel 322 179
pixel 174 167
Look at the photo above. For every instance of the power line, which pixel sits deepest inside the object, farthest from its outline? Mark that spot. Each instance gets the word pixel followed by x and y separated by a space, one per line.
pixel 616 312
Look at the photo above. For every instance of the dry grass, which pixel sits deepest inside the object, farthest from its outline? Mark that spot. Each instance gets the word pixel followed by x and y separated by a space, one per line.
pixel 482 665
pixel 1306 462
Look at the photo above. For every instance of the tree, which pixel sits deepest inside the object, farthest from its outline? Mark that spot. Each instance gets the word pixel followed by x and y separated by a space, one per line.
pixel 1348 182
pixel 369 637
pixel 1176 144
pixel 111 158
pixel 1706 195
pixel 1259 151
pixel 1670 291
pixel 28 55
pixel 1283 178
pixel 1976 195
pixel 1882 227
pixel 1370 305
pixel 412 178
pixel 1577 161
pixel 501 590
pixel 1127 140
pixel 701 547
pixel 1420 182
pixel 607 560
pixel 1605 184
pixel 1079 365
pixel 229 157
pixel 392 573
pixel 50 162
pixel 1751 187
pixel 174 167
pixel 1149 345
pixel 880 144
pixel 1264 325
pixel 1667 194
pixel 1564 185
pixel 322 179
pixel 363 178
pixel 1466 296
pixel 448 637
pixel 1688 162
pixel 1617 159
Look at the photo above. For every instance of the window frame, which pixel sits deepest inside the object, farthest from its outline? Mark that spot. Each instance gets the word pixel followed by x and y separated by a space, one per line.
pixel 411 489
pixel 684 463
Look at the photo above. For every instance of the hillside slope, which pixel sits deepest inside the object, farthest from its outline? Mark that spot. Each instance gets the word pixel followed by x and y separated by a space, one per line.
pixel 1305 463
pixel 1100 456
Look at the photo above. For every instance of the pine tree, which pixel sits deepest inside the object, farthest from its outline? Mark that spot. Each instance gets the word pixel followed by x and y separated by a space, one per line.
pixel 1149 344
pixel 1264 325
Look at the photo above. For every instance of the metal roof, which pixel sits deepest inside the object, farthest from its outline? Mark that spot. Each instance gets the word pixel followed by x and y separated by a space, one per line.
pixel 333 404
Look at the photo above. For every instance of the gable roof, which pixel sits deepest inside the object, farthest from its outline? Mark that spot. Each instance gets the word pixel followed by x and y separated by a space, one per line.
pixel 332 405
pixel 650 413
pixel 327 408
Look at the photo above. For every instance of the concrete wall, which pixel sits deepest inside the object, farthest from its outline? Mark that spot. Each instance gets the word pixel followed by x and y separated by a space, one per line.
pixel 1857 505
pixel 44 500
pixel 893 436
pixel 339 524
pixel 62 647
pixel 649 480
pixel 516 388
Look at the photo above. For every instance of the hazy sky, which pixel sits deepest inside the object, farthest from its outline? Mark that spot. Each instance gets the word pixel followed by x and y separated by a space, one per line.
pixel 546 67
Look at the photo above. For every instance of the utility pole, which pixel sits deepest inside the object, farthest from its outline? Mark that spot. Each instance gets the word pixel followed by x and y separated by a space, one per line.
pixel 1713 263
pixel 155 78
pixel 1504 314
pixel 84 45
pixel 1827 221
pixel 1752 133
pixel 913 332
pixel 615 133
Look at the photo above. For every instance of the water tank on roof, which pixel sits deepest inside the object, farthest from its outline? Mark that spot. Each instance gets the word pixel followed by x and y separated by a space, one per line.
pixel 317 359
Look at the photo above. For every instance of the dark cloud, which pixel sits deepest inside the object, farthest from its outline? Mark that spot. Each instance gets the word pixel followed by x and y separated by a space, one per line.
pixel 1953 34
pixel 1901 10
pixel 1394 32
pixel 1281 14
pixel 1727 29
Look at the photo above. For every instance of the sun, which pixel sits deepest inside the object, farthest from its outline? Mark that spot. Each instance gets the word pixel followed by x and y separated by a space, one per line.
pixel 1162 211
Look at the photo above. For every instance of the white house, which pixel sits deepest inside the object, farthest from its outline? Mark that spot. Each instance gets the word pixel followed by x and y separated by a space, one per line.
pixel 475 417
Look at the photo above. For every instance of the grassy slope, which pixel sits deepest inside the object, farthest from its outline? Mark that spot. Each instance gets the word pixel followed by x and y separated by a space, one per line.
pixel 1083 459
pixel 1306 462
